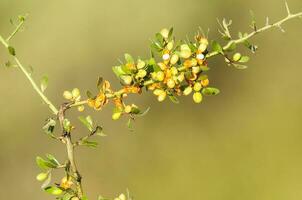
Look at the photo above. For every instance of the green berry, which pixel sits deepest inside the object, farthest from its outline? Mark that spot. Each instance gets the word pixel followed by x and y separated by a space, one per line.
pixel 237 57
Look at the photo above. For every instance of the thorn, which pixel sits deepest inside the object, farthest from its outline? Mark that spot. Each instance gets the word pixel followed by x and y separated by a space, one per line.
pixel 267 21
pixel 281 29
pixel 287 8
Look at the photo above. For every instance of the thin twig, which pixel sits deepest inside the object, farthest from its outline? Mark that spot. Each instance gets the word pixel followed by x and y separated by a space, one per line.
pixel 266 27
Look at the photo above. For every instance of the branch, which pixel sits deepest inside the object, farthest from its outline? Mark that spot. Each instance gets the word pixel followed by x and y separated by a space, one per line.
pixel 266 27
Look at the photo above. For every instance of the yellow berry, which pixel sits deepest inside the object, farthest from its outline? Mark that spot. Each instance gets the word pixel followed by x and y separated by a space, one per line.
pixel 141 73
pixel 127 79
pixel 193 62
pixel 67 95
pixel 162 66
pixel 75 93
pixel 160 75
pixel 170 83
pixel 197 97
pixel 81 108
pixel 162 96
pixel 42 176
pixel 174 59
pixel 205 82
pixel 170 45
pixel 197 86
pixel 174 71
pixel 185 51
pixel 141 64
pixel 187 90
pixel 157 92
pixel 122 197
pixel 196 69
pixel 181 77
pixel 128 109
pixel 116 116
pixel 237 57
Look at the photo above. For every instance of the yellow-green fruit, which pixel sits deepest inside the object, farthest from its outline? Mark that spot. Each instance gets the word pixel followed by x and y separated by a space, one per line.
pixel 127 79
pixel 42 176
pixel 170 45
pixel 162 97
pixel 158 92
pixel 197 86
pixel 162 66
pixel 75 93
pixel 67 95
pixel 75 198
pixel 237 57
pixel 193 62
pixel 141 64
pixel 165 33
pixel 160 76
pixel 187 90
pixel 122 197
pixel 116 116
pixel 81 108
pixel 195 69
pixel 56 191
pixel 181 77
pixel 128 109
pixel 174 59
pixel 185 51
pixel 174 71
pixel 170 83
pixel 197 97
pixel 141 73
pixel 202 47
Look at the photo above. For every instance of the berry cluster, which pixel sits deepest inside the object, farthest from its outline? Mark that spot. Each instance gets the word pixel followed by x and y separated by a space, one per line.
pixel 180 71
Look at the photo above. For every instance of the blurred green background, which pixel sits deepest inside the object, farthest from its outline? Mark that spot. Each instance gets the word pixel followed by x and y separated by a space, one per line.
pixel 243 144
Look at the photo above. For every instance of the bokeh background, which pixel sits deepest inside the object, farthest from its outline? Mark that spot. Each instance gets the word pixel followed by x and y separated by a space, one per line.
pixel 245 143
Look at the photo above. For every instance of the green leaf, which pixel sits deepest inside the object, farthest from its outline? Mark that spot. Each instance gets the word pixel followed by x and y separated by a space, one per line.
pixel 67 196
pixel 170 33
pixel 129 58
pixel 99 131
pixel 129 124
pixel 52 159
pixel 87 143
pixel 89 94
pixel 53 190
pixel 217 47
pixel 49 127
pixel 118 70
pixel 67 125
pixel 173 98
pixel 43 164
pixel 239 66
pixel 210 91
pixel 99 83
pixel 87 121
pixel 84 198
pixel 11 50
pixel 232 47
pixel 244 59
pixel 44 83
